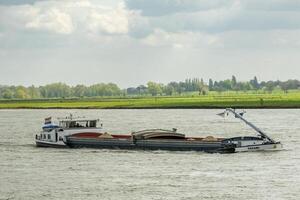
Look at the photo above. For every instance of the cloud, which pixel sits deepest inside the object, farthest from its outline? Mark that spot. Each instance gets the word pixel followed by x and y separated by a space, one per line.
pixel 53 20
pixel 66 17
pixel 17 2
pixel 216 17
pixel 110 21
pixel 151 38
pixel 187 24
pixel 206 21
pixel 272 5
pixel 160 38
pixel 167 7
pixel 140 18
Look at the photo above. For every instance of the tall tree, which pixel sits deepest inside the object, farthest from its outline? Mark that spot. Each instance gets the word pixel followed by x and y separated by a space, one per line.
pixel 33 92
pixel 254 83
pixel 210 85
pixel 233 82
pixel 7 94
pixel 270 86
pixel 79 90
pixel 21 93
pixel 154 88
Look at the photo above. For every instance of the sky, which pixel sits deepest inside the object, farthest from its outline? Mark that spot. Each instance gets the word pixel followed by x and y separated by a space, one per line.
pixel 131 42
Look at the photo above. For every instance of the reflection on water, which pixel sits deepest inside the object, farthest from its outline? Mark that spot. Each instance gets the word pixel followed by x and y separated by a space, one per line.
pixel 28 172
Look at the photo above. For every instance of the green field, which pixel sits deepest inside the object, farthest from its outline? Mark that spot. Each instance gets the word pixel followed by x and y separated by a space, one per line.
pixel 213 100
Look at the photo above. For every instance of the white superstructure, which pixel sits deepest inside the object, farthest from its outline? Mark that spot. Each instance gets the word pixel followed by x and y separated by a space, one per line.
pixel 53 134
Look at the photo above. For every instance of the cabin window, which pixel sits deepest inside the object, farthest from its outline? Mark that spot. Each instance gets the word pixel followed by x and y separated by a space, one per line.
pixel 75 124
pixel 60 138
pixel 72 124
pixel 92 123
pixel 49 137
pixel 63 124
pixel 80 124
pixel 44 136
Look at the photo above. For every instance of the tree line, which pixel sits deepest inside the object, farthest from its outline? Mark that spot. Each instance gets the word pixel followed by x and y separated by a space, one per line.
pixel 61 90
pixel 253 84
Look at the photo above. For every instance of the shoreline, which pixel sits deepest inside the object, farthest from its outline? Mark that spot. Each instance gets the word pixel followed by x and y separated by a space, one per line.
pixel 149 108
pixel 289 101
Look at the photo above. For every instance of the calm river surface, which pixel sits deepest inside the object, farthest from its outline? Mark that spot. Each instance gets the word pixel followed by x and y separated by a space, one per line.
pixel 27 172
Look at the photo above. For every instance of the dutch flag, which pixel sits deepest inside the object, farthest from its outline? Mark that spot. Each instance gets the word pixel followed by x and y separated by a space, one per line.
pixel 48 120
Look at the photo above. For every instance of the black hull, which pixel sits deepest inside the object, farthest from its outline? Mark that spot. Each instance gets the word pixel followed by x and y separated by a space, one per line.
pixel 169 145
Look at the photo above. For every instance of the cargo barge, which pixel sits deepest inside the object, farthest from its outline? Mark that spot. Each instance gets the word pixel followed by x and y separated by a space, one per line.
pixel 158 139
pixel 153 139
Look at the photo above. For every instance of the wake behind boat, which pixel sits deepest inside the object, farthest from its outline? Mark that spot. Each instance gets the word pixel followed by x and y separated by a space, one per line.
pixel 52 134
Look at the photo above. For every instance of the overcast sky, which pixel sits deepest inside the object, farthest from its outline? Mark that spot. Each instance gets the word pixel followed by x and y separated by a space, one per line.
pixel 132 42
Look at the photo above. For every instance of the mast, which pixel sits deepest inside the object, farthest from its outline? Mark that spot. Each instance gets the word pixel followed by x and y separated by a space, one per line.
pixel 260 132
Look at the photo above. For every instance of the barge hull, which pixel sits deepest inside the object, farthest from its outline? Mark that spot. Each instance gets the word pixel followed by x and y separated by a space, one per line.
pixel 97 143
pixel 169 145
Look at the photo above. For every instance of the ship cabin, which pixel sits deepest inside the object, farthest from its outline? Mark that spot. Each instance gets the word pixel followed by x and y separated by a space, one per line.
pixel 244 141
pixel 53 133
pixel 78 123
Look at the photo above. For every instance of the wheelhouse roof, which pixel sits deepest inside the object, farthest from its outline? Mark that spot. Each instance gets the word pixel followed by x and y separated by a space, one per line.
pixel 77 120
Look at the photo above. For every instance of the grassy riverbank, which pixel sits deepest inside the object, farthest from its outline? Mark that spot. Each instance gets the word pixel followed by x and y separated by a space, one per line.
pixel 238 100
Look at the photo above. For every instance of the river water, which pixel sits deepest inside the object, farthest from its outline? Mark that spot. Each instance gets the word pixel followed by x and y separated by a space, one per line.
pixel 28 172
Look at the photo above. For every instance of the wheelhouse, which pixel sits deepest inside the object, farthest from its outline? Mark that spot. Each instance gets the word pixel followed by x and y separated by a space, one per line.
pixel 247 138
pixel 52 134
pixel 78 123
